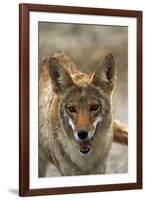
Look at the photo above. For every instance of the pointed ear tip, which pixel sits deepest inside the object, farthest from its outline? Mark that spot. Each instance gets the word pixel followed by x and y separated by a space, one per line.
pixel 110 57
pixel 52 60
pixel 53 63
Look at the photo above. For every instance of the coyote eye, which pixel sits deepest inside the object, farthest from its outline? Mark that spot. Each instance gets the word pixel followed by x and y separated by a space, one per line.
pixel 94 107
pixel 71 109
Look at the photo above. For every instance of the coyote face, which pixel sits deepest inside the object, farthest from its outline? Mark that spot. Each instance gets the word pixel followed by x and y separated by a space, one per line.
pixel 79 116
pixel 85 100
pixel 83 112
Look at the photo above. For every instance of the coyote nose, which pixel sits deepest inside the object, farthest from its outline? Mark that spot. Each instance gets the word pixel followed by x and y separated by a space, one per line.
pixel 82 134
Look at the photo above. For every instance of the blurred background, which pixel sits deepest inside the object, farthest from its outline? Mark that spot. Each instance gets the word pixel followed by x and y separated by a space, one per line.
pixel 87 45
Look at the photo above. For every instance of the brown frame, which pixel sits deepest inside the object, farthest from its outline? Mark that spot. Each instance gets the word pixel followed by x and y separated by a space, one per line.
pixel 24 10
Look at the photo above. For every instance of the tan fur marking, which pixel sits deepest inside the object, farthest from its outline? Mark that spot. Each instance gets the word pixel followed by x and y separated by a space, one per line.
pixel 83 120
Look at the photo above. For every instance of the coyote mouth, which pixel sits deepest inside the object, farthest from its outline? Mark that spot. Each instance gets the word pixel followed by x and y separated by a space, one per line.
pixel 85 146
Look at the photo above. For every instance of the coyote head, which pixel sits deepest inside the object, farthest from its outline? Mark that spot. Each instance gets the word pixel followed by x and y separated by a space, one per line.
pixel 85 100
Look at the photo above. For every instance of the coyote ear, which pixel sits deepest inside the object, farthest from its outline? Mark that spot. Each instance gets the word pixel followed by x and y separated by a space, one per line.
pixel 61 80
pixel 105 73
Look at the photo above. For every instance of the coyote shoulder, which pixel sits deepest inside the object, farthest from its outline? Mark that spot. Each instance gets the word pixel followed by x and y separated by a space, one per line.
pixel 75 115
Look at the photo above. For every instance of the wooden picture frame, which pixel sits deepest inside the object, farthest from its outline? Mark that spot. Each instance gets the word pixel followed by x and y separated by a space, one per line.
pixel 24 95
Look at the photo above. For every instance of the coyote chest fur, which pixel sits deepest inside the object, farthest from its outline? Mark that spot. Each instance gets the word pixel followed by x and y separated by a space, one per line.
pixel 75 115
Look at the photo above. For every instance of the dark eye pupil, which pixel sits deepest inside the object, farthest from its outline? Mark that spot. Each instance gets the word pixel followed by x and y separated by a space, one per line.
pixel 94 107
pixel 72 109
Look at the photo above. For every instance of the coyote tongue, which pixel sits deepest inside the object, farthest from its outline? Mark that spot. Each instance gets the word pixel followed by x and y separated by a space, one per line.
pixel 85 146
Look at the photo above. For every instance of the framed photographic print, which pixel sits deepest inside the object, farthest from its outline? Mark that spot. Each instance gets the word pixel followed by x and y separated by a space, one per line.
pixel 80 99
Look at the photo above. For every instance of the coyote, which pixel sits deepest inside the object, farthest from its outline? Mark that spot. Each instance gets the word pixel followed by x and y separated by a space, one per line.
pixel 75 115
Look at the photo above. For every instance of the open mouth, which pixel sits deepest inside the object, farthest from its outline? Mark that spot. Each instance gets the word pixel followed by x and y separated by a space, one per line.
pixel 85 146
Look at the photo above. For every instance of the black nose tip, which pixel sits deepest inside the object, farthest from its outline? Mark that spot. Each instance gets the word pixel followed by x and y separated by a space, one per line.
pixel 82 134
